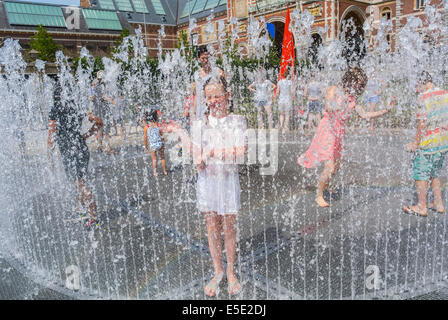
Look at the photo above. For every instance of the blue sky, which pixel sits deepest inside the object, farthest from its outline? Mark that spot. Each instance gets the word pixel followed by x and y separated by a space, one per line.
pixel 67 2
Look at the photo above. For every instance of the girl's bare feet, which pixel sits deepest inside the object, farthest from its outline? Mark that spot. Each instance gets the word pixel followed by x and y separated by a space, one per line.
pixel 321 202
pixel 437 207
pixel 234 284
pixel 213 286
pixel 111 151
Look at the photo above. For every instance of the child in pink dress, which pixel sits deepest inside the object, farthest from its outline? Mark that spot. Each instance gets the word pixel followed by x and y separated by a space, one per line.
pixel 327 142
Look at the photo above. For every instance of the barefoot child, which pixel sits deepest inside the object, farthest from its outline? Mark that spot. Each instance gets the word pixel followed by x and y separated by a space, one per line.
pixel 430 146
pixel 218 189
pixel 327 142
pixel 152 136
pixel 286 95
pixel 263 91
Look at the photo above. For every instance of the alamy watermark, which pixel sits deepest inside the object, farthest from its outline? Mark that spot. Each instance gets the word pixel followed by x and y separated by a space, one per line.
pixel 72 280
pixel 373 280
pixel 259 146
pixel 73 18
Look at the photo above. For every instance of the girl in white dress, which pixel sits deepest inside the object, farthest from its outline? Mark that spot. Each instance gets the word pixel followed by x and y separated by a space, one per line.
pixel 263 90
pixel 286 94
pixel 222 145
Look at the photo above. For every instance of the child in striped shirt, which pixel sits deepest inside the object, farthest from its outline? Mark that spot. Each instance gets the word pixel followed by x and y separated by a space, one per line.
pixel 430 145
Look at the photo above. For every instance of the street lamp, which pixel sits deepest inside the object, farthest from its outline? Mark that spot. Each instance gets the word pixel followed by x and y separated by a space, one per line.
pixel 34 54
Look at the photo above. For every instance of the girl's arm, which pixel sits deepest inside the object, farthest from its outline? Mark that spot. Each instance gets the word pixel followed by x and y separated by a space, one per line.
pixel 368 115
pixel 161 131
pixel 145 139
pixel 194 105
pixel 51 130
pixel 97 124
pixel 251 87
pixel 277 91
pixel 183 136
pixel 110 100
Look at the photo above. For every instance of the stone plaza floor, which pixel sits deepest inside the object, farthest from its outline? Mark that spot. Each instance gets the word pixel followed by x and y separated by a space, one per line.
pixel 152 243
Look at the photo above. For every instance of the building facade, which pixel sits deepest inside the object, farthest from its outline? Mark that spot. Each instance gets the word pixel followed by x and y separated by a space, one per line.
pixel 97 24
pixel 330 16
pixel 149 15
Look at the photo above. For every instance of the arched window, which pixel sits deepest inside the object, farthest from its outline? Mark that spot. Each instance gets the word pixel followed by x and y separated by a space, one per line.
pixel 386 12
pixel 419 4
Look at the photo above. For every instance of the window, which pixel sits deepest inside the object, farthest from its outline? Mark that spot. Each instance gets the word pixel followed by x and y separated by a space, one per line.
pixel 188 7
pixel 386 12
pixel 34 15
pixel 124 5
pixel 419 4
pixel 158 6
pixel 99 19
pixel 140 6
pixel 211 4
pixel 107 4
pixel 199 6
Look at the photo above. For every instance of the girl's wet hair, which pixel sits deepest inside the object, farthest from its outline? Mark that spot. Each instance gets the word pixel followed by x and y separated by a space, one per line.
pixel 425 77
pixel 202 49
pixel 151 116
pixel 219 81
pixel 354 81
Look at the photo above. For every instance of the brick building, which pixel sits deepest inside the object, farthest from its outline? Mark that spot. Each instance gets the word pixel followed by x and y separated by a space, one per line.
pixel 71 27
pixel 100 22
pixel 149 15
pixel 328 15
pixel 95 24
pixel 201 11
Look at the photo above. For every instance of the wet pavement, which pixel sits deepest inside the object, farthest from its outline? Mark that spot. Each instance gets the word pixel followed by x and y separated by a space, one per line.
pixel 152 243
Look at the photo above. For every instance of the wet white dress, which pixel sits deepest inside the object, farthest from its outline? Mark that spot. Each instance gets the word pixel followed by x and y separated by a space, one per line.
pixel 218 187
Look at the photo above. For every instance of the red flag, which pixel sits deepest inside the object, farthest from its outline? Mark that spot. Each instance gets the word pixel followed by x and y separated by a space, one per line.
pixel 288 54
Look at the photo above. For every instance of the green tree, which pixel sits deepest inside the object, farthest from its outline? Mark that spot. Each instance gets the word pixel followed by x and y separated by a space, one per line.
pixel 124 33
pixel 43 43
pixel 188 50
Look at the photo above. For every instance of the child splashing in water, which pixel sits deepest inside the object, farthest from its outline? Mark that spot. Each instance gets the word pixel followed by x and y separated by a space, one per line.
pixel 152 136
pixel 327 142
pixel 285 93
pixel 219 149
pixel 430 146
pixel 263 90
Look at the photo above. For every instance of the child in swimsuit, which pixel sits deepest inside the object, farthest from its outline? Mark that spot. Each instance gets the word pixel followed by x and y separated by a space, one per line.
pixel 153 140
